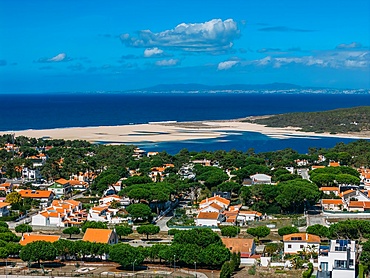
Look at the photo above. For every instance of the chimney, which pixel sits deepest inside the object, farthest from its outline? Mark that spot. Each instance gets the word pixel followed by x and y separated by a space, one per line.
pixel 306 236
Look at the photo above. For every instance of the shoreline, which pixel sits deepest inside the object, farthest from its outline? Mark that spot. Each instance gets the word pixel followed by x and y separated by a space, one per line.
pixel 171 131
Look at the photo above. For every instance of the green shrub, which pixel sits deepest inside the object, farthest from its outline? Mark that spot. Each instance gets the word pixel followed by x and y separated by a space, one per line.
pixel 307 273
pixel 252 270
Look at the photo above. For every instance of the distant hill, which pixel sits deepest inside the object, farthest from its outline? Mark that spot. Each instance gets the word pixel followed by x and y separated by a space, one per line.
pixel 348 120
pixel 202 87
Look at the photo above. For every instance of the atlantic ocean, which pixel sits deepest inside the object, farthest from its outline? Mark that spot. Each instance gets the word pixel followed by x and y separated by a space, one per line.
pixel 44 111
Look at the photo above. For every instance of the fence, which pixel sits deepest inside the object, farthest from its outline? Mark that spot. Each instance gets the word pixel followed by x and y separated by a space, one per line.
pixel 66 274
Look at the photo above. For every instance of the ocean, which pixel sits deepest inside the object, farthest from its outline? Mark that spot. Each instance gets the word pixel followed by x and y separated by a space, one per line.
pixel 41 111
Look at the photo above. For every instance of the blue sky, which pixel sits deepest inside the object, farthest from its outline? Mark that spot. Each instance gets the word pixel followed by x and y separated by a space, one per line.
pixel 87 45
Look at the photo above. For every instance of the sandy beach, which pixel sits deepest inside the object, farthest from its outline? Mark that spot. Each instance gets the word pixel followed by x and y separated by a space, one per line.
pixel 175 131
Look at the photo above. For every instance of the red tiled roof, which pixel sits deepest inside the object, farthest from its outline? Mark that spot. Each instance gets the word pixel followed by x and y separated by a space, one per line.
pixel 304 237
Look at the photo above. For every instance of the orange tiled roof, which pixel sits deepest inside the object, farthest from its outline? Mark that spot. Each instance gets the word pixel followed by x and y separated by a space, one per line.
pixel 329 188
pixel 242 245
pixel 346 192
pixel 216 198
pixel 99 208
pixel 332 202
pixel 76 182
pixel 304 237
pixel 334 164
pixel 7 184
pixel 359 204
pixel 28 238
pixel 97 235
pixel 208 215
pixel 4 204
pixel 28 193
pixel 317 167
pixel 250 212
pixel 214 205
pixel 62 181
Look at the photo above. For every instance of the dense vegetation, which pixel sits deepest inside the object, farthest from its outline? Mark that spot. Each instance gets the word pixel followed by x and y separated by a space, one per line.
pixel 346 120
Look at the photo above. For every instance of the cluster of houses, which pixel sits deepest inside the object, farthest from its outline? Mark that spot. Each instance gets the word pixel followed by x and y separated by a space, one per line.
pixel 352 199
pixel 217 211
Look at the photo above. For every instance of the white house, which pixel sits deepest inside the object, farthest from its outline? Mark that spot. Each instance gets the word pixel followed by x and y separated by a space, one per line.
pixel 4 209
pixel 60 214
pixel 248 215
pixel 338 261
pixel 107 200
pixel 296 242
pixel 332 204
pixel 31 174
pixel 45 197
pixel 261 179
pixel 100 236
pixel 209 219
pixel 103 214
pixel 330 189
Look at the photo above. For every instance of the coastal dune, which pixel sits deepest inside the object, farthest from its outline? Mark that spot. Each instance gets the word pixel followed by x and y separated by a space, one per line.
pixel 171 131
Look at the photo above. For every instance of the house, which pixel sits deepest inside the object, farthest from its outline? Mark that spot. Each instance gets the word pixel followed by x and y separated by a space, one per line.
pixel 43 196
pixel 61 214
pixel 104 214
pixel 217 200
pixel 261 179
pixel 209 219
pixel 150 154
pixel 138 153
pixel 332 204
pixel 4 209
pixel 245 246
pixel 60 188
pixel 248 215
pixel 78 185
pixel 6 187
pixel 330 189
pixel 28 238
pixel 294 243
pixel 334 164
pixel 31 174
pixel 359 206
pixel 107 200
pixel 338 261
pixel 157 173
pixel 100 236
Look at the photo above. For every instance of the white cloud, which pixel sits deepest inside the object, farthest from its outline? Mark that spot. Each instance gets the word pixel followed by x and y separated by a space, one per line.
pixel 155 51
pixel 226 65
pixel 61 57
pixel 330 58
pixel 215 35
pixel 167 63
pixel 349 46
pixel 58 58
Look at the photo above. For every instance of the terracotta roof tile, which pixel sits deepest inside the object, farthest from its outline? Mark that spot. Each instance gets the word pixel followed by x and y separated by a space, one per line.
pixel 332 202
pixel 242 245
pixel 304 237
pixel 208 215
pixel 35 193
pixel 28 238
pixel 97 235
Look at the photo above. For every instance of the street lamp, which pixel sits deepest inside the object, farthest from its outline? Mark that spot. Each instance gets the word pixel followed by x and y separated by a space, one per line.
pixel 133 267
pixel 174 263
pixel 195 264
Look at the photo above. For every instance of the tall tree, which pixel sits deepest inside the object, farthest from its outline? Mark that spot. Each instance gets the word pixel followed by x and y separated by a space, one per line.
pixel 148 230
pixel 38 251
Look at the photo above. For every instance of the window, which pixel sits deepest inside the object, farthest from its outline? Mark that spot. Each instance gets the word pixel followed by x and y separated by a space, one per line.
pixel 289 246
pixel 301 246
pixel 340 264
